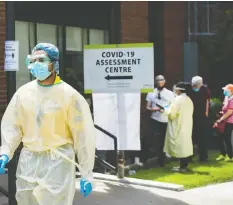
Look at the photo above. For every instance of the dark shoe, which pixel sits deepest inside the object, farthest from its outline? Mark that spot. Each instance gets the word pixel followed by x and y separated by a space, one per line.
pixel 180 170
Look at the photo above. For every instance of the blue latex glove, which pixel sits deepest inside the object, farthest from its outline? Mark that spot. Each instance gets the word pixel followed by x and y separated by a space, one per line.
pixel 166 109
pixel 4 159
pixel 85 188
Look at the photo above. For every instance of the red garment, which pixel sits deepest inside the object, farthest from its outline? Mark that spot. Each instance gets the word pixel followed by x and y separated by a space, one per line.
pixel 228 104
pixel 221 127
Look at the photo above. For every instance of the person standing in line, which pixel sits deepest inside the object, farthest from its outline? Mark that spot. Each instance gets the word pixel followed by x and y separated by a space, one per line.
pixel 178 141
pixel 201 99
pixel 155 136
pixel 227 119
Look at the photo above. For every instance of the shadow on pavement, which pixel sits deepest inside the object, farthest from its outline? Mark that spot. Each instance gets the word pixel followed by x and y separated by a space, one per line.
pixel 110 193
pixel 3 200
pixel 114 194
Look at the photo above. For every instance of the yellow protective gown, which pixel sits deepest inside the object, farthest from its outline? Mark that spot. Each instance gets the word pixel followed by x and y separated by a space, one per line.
pixel 53 122
pixel 178 140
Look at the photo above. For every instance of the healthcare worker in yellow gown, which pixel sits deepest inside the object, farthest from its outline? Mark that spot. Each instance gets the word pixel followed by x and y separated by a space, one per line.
pixel 54 123
pixel 178 140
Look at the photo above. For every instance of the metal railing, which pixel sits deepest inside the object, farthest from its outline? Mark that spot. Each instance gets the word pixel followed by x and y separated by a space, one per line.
pixel 4 192
pixel 103 162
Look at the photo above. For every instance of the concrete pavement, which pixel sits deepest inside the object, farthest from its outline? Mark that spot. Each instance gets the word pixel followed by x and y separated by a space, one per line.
pixel 115 193
pixel 213 194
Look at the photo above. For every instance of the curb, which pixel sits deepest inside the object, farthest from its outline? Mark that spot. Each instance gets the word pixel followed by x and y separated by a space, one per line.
pixel 140 182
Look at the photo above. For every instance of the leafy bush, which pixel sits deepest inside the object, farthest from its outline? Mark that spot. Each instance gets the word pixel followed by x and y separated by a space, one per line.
pixel 215 108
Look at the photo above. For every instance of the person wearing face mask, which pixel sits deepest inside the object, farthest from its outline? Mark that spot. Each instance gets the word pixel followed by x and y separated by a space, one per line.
pixel 178 141
pixel 201 98
pixel 227 118
pixel 54 123
pixel 155 135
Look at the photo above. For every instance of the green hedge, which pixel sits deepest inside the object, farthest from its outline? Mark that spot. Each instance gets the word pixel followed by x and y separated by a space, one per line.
pixel 215 107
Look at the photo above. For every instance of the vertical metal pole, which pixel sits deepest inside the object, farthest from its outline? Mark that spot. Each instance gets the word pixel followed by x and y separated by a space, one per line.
pixel 121 165
pixel 189 20
pixel 121 157
pixel 11 88
pixel 208 17
pixel 195 19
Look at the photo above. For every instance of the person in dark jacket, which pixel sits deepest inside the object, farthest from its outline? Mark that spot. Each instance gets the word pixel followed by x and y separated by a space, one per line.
pixel 201 99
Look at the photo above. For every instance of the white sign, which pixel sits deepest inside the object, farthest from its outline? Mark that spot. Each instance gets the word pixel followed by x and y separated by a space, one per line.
pixel 120 116
pixel 11 55
pixel 123 68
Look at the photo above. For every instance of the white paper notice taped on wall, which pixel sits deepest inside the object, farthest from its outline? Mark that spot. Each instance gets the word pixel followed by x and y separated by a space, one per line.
pixel 11 56
pixel 106 115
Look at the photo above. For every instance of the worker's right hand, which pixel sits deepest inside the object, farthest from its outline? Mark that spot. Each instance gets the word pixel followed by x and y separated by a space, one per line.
pixel 85 187
pixel 4 159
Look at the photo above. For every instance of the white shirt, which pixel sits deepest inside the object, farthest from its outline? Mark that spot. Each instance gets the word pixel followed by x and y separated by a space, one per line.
pixel 166 97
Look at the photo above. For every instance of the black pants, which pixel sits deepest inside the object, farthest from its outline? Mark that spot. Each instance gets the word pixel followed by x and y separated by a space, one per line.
pixel 184 162
pixel 154 140
pixel 200 136
pixel 225 141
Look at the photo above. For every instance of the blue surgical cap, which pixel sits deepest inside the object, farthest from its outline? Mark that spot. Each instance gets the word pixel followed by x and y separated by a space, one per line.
pixel 52 52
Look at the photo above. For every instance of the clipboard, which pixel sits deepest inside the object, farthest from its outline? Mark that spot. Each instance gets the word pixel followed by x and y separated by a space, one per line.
pixel 159 106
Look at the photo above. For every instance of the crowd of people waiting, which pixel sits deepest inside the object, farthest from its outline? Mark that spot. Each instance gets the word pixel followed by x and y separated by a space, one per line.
pixel 178 123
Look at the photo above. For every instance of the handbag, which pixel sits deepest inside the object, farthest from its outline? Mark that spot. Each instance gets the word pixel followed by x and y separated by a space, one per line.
pixel 221 126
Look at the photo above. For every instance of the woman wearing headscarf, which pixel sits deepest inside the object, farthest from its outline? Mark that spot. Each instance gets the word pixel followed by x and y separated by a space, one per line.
pixel 178 142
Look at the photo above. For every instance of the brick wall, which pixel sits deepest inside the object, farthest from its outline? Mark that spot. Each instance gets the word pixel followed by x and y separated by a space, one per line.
pixel 134 21
pixel 173 41
pixel 134 29
pixel 3 93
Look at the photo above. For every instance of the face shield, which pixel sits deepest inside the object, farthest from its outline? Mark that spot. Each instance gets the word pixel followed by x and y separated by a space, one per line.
pixel 32 59
pixel 178 90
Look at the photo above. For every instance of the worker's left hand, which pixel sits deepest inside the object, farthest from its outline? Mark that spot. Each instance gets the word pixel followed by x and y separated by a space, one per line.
pixel 85 187
pixel 4 159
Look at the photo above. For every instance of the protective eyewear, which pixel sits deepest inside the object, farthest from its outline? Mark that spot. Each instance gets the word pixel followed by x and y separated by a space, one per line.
pixel 32 59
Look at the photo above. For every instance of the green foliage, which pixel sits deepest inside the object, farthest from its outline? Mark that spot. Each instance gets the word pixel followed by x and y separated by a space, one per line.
pixel 215 103
pixel 199 175
pixel 215 108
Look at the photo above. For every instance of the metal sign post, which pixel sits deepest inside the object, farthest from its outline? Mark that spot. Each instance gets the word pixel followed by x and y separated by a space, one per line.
pixel 121 165
pixel 121 121
pixel 118 69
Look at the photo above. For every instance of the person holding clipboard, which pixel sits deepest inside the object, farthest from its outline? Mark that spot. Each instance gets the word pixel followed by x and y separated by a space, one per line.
pixel 155 134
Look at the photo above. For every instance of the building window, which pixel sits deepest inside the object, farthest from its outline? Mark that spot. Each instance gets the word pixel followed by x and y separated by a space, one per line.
pixel 73 39
pixel 201 19
pixel 76 38
pixel 24 33
pixel 46 33
pixel 96 36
